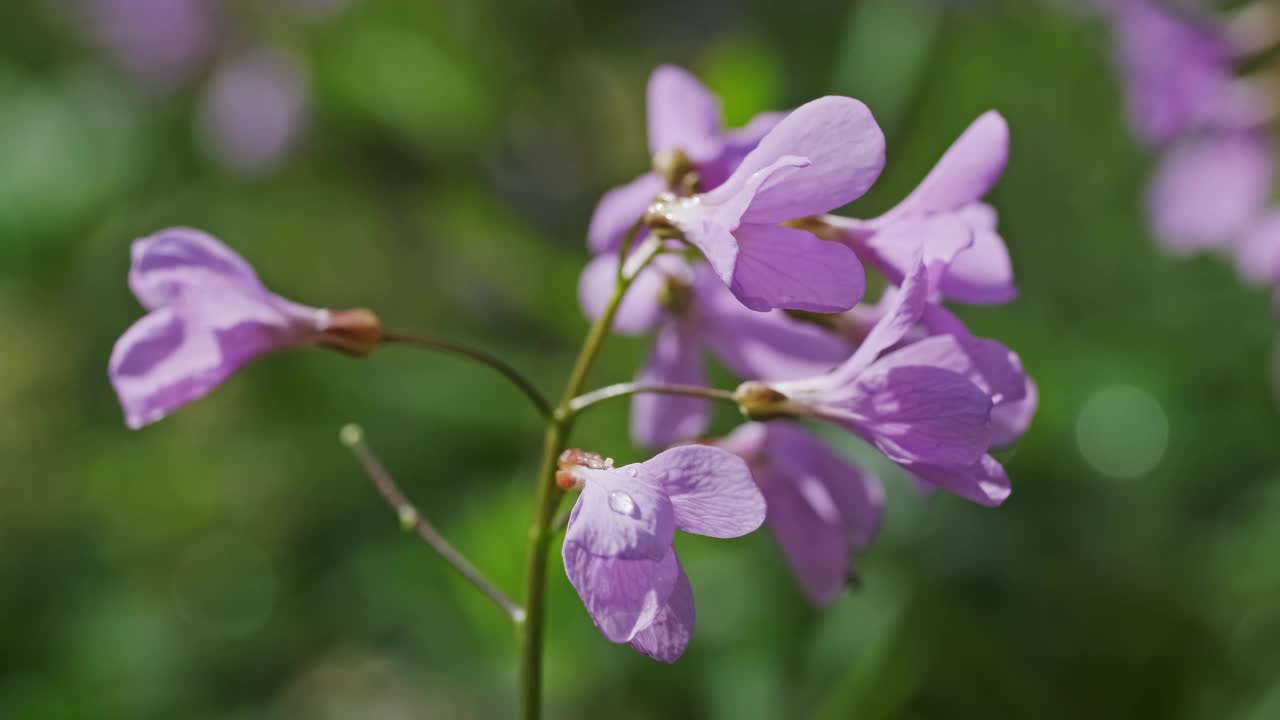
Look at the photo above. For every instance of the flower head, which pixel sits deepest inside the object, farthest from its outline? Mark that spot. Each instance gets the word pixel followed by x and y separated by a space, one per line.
pixel 692 313
pixel 822 155
pixel 209 315
pixel 947 201
pixel 926 405
pixel 821 506
pixel 618 550
pixel 690 146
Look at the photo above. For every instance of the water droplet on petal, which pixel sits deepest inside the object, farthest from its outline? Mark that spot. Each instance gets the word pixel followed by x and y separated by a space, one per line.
pixel 631 471
pixel 621 503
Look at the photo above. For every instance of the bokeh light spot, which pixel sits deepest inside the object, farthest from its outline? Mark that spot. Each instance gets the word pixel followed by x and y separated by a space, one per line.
pixel 1122 431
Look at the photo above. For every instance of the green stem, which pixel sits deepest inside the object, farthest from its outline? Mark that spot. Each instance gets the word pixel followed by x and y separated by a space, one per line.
pixel 609 392
pixel 532 631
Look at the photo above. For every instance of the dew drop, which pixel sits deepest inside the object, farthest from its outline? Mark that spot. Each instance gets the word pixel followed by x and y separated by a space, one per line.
pixel 632 472
pixel 621 502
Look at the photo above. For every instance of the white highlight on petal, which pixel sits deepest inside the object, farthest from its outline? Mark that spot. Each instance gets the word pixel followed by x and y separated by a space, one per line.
pixel 1122 431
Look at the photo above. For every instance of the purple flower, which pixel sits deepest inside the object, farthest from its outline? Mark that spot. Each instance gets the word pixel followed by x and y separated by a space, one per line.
pixel 947 201
pixel 1177 70
pixel 209 315
pixel 821 506
pixel 684 117
pixel 1257 254
pixel 824 154
pixel 1210 188
pixel 254 110
pixel 163 44
pixel 926 405
pixel 691 312
pixel 618 550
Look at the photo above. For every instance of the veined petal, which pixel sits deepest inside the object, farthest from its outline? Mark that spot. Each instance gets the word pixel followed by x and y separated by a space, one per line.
pixel 659 420
pixel 711 490
pixel 964 174
pixel 640 310
pixel 621 514
pixel 984 482
pixel 815 547
pixel 666 638
pixel 765 346
pixel 920 414
pixel 175 261
pixel 845 150
pixel 1009 420
pixel 737 145
pixel 781 267
pixel 623 596
pixel 683 115
pixel 618 210
pixel 982 274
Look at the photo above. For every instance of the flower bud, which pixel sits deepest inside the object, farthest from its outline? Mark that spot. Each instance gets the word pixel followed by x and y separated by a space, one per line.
pixel 354 332
pixel 677 170
pixel 757 401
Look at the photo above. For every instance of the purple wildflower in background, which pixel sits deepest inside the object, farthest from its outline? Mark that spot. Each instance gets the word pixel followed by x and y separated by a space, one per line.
pixel 821 507
pixel 254 110
pixel 684 117
pixel 162 44
pixel 822 155
pixel 922 404
pixel 692 313
pixel 948 200
pixel 209 315
pixel 618 550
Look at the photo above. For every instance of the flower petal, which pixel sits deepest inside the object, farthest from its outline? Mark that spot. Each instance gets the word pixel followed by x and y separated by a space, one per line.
pixel 1258 254
pixel 1009 420
pixel 659 420
pixel 621 515
pixel 640 310
pixel 683 115
pixel 668 635
pixel 710 489
pixel 781 267
pixel 845 150
pixel 983 482
pixel 816 548
pixel 1209 189
pixel 622 596
pixel 619 209
pixel 737 145
pixel 920 414
pixel 767 346
pixel 982 274
pixel 174 261
pixel 964 174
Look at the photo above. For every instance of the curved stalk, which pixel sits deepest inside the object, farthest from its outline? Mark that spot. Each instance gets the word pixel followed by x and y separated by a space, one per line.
pixel 517 378
pixel 609 392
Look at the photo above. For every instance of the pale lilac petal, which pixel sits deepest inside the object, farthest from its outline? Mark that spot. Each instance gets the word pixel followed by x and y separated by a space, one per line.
pixel 254 110
pixel 622 596
pixel 845 150
pixel 683 115
pixel 640 311
pixel 171 262
pixel 661 420
pixel 815 547
pixel 982 274
pixel 837 489
pixel 989 364
pixel 621 515
pixel 983 482
pixel 781 267
pixel 1258 254
pixel 618 210
pixel 1209 189
pixel 737 145
pixel 920 414
pixel 177 354
pixel 668 635
pixel 964 174
pixel 767 346
pixel 710 489
pixel 1009 420
pixel 895 249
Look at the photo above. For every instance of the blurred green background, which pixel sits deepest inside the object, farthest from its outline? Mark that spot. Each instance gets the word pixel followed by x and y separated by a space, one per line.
pixel 232 562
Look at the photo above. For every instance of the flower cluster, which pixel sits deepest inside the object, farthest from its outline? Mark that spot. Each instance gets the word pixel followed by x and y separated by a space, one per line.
pixel 726 249
pixel 757 273
pixel 1212 190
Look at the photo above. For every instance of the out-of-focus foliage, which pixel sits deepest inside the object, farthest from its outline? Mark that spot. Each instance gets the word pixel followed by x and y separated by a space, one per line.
pixel 231 562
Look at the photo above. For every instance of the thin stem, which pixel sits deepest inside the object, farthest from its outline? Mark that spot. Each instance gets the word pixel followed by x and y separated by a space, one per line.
pixel 532 631
pixel 508 371
pixel 412 520
pixel 610 392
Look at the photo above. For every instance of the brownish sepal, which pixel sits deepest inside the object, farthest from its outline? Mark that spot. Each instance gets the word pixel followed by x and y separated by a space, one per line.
pixel 354 332
pixel 757 401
